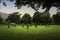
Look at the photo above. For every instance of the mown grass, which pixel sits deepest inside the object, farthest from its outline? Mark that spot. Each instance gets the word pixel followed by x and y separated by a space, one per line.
pixel 40 33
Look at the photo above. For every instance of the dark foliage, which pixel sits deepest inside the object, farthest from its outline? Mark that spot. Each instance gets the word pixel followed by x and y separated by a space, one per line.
pixel 1 20
pixel 14 17
pixel 35 4
pixel 26 19
pixel 56 18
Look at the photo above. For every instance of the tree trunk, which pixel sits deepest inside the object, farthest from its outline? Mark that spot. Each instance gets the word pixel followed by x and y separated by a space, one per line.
pixel 35 25
pixel 8 25
pixel 40 24
pixel 27 26
pixel 46 25
pixel 15 25
pixel 23 25
pixel 30 24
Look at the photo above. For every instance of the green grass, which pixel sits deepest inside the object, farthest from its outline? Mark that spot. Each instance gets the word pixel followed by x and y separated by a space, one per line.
pixel 40 33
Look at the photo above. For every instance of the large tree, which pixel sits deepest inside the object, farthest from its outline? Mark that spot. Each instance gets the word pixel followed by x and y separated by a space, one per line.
pixel 26 19
pixel 14 17
pixel 36 18
pixel 35 4
pixel 56 18
pixel 46 19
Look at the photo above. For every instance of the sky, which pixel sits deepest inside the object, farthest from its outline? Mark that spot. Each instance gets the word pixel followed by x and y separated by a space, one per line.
pixel 24 9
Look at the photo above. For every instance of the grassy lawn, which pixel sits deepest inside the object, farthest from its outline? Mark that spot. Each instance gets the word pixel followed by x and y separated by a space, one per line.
pixel 40 33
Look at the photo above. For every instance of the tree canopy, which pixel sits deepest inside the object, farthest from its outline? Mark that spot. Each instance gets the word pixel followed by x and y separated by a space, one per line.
pixel 26 18
pixel 35 4
pixel 14 17
pixel 37 17
pixel 56 18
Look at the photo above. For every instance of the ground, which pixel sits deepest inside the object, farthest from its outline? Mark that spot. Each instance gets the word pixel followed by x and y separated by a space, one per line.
pixel 40 33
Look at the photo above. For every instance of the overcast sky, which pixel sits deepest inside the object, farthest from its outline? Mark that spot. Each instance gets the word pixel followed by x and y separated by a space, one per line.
pixel 24 9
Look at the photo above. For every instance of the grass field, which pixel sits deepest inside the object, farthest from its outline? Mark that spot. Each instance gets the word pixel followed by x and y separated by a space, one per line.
pixel 40 33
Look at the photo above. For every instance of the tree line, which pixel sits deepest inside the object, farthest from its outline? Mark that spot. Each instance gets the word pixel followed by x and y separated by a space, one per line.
pixel 37 19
